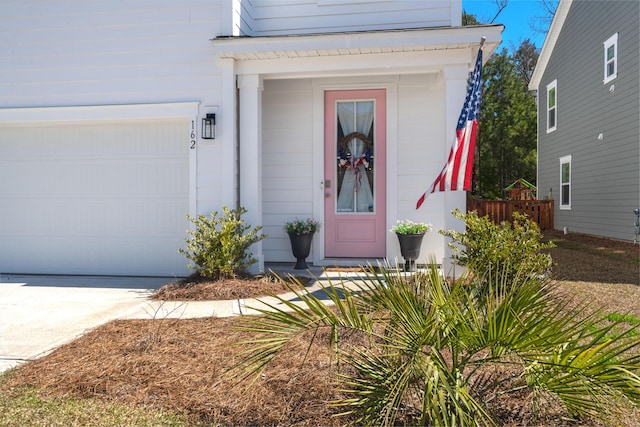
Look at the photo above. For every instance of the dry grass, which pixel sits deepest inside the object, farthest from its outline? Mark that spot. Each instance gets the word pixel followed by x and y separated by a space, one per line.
pixel 185 370
pixel 605 273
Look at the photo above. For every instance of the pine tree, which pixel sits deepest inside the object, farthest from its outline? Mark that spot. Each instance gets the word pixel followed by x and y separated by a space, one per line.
pixel 507 137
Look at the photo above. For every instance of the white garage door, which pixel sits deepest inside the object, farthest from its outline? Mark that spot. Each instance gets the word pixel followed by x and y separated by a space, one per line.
pixel 99 198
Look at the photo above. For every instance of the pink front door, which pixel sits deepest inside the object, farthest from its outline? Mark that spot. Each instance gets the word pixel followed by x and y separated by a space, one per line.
pixel 355 174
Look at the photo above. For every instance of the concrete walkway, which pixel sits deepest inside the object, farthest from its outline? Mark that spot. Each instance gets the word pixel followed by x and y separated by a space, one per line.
pixel 228 308
pixel 39 313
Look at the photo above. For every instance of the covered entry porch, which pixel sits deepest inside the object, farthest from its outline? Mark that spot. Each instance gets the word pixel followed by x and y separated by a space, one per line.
pixel 280 160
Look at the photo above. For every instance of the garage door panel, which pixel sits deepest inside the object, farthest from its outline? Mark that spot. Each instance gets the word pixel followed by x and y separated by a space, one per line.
pixel 91 218
pixel 94 199
pixel 106 178
pixel 101 256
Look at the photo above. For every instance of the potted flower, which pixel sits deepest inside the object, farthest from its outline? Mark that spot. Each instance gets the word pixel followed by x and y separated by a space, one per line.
pixel 410 236
pixel 301 234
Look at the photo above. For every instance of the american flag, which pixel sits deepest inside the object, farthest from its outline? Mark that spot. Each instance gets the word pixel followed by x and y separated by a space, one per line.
pixel 456 174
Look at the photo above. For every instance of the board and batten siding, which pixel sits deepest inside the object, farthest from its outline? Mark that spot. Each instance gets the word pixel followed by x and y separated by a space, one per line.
pixel 278 17
pixel 605 181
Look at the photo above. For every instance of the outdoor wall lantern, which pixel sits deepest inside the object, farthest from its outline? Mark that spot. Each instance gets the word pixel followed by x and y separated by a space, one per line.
pixel 209 127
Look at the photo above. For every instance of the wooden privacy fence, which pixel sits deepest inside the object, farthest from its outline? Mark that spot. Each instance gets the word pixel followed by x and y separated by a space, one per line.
pixel 539 211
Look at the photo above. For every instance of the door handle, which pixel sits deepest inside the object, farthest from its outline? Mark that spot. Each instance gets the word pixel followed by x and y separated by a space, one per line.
pixel 327 183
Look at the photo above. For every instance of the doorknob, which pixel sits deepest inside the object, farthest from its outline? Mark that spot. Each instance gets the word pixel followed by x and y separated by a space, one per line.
pixel 327 185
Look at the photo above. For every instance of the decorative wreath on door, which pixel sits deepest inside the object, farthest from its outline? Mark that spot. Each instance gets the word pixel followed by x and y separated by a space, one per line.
pixel 346 156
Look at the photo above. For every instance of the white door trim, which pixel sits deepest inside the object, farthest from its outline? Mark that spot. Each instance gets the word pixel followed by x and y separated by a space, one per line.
pixel 390 84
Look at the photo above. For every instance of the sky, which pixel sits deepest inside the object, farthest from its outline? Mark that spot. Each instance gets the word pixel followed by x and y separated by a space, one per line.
pixel 515 17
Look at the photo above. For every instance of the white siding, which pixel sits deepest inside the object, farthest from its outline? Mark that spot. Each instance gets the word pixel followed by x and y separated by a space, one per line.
pixel 277 17
pixel 70 53
pixel 422 151
pixel 287 169
pixel 210 178
pixel 60 53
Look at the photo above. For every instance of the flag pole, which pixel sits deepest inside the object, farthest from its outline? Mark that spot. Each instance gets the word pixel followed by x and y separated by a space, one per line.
pixel 476 170
pixel 457 174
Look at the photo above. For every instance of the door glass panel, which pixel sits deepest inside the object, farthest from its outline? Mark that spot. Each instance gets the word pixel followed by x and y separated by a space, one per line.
pixel 355 164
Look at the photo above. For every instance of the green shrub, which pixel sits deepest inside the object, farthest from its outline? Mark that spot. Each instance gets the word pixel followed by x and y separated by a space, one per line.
pixel 218 246
pixel 485 246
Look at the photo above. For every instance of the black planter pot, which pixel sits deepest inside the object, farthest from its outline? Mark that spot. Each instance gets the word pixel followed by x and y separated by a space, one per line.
pixel 410 249
pixel 301 246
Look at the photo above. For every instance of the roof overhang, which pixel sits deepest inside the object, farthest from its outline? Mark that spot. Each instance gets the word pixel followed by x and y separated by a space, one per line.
pixel 550 42
pixel 360 46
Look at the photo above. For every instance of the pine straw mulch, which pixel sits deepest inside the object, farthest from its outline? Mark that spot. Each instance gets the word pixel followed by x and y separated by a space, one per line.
pixel 182 364
pixel 198 288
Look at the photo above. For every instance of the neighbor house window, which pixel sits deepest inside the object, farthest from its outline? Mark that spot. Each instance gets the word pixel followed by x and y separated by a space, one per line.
pixel 565 182
pixel 552 105
pixel 611 58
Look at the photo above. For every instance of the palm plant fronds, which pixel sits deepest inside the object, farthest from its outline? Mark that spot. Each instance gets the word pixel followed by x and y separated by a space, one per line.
pixel 433 346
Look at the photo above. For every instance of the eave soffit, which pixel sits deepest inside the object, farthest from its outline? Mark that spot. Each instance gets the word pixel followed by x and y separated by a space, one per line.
pixel 342 44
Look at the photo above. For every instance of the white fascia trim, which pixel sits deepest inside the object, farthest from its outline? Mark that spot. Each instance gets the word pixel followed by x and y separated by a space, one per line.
pixel 356 65
pixel 99 112
pixel 335 44
pixel 550 42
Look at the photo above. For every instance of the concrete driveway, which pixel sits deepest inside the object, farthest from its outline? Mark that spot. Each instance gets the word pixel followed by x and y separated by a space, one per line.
pixel 39 313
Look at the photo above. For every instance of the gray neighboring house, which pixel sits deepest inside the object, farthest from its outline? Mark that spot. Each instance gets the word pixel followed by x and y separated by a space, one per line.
pixel 588 83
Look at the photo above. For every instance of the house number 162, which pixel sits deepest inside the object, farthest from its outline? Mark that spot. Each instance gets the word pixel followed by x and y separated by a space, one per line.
pixel 192 142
